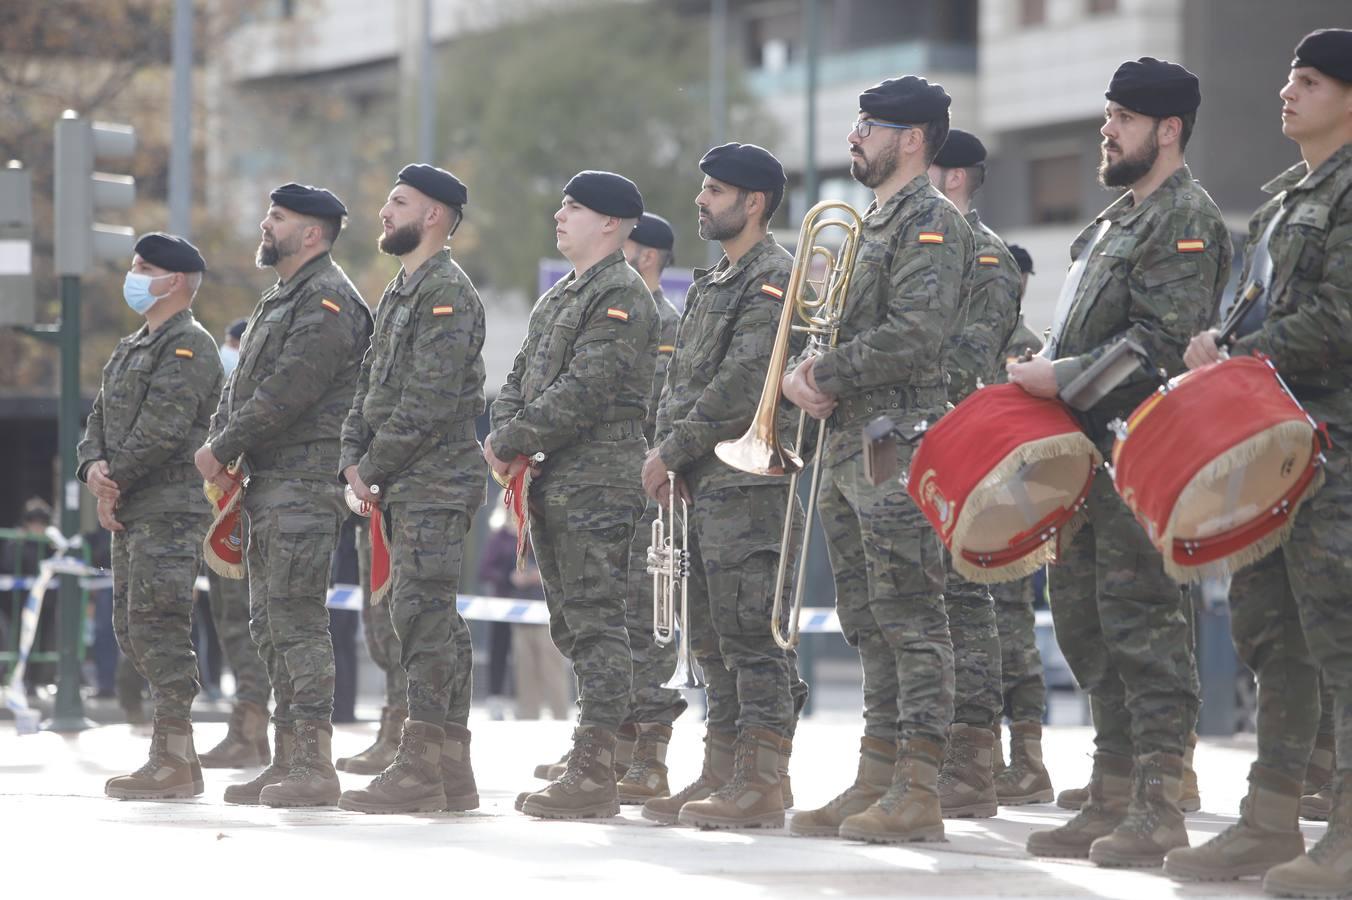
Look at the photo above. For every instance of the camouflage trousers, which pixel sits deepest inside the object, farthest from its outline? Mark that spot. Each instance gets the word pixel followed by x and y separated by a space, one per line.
pixel 155 563
pixel 1121 625
pixel 293 528
pixel 582 535
pixel 426 548
pixel 978 699
pixel 889 574
pixel 230 614
pixel 381 641
pixel 1291 621
pixel 1023 690
pixel 653 664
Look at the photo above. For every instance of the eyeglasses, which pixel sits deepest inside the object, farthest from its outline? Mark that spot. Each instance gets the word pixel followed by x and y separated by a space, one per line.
pixel 864 127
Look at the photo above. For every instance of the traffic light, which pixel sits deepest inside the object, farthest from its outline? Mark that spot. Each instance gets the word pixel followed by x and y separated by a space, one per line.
pixel 16 246
pixel 81 192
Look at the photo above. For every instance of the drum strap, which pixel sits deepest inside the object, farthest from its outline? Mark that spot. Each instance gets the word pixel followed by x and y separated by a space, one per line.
pixel 1065 303
pixel 1250 306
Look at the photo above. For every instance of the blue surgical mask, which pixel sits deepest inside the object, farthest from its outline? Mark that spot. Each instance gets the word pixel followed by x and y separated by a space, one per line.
pixel 136 291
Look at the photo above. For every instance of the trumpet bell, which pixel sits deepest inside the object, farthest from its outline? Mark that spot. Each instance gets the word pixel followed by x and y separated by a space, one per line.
pixel 753 454
pixel 687 675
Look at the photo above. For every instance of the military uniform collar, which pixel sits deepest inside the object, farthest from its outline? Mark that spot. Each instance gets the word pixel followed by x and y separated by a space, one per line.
pixel 658 296
pixel 1123 211
pixel 1299 176
pixel 405 284
pixel 143 335
pixel 973 218
pixel 306 272
pixel 726 270
pixel 897 200
pixel 577 282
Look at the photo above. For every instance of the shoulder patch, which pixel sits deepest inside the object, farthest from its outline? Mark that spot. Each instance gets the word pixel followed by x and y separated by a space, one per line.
pixel 770 290
pixel 931 237
pixel 620 314
pixel 988 260
pixel 330 306
pixel 183 353
pixel 1191 245
pixel 442 310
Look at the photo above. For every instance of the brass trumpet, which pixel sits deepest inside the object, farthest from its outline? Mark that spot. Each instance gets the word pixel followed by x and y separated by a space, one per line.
pixel 669 566
pixel 820 305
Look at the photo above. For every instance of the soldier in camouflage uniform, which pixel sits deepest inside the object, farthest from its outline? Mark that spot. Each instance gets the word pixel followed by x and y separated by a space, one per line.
pixel 282 410
pixel 973 356
pixel 905 299
pixel 577 393
pixel 158 391
pixel 736 519
pixel 1154 264
pixel 1289 614
pixel 410 435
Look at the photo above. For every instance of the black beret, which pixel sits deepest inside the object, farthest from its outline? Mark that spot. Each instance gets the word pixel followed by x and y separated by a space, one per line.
pixel 170 252
pixel 905 100
pixel 962 149
pixel 745 166
pixel 236 329
pixel 1154 87
pixel 1023 258
pixel 606 193
pixel 653 231
pixel 309 201
pixel 1329 50
pixel 435 183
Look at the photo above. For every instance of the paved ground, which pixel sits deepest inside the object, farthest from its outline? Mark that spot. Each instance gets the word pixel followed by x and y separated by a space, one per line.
pixel 61 832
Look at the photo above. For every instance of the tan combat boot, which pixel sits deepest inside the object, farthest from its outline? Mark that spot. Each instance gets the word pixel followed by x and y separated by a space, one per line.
pixel 1025 780
pixel 1154 823
pixel 457 773
pixel 551 771
pixel 1073 798
pixel 311 779
pixel 377 757
pixel 625 738
pixel 1326 871
pixel 647 775
pixel 785 784
pixel 966 781
pixel 715 773
pixel 1317 794
pixel 1190 800
pixel 877 764
pixel 412 783
pixel 586 789
pixel 246 740
pixel 752 798
pixel 910 810
pixel 1109 792
pixel 247 793
pixel 1267 834
pixel 998 754
pixel 169 772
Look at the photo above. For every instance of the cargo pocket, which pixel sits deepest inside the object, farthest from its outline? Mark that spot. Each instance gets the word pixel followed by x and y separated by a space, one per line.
pixel 740 534
pixel 299 564
pixel 436 541
pixel 594 550
pixel 557 348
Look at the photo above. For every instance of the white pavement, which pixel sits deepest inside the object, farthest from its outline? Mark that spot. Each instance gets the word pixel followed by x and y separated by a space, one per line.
pixel 62 837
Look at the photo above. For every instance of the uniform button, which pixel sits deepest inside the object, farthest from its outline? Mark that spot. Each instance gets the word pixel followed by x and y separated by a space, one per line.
pixel 870 409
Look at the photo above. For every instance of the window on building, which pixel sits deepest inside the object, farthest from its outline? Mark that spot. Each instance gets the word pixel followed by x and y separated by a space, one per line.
pixel 1032 12
pixel 1055 183
pixel 1102 7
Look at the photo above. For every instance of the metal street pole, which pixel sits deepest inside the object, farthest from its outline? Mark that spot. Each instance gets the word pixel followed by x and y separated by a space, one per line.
pixel 718 90
pixel 180 145
pixel 427 110
pixel 811 187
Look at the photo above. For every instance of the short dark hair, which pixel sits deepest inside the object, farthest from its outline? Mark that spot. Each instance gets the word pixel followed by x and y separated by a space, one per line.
pixel 1189 121
pixel 331 227
pixel 772 201
pixel 976 176
pixel 936 132
pixel 37 510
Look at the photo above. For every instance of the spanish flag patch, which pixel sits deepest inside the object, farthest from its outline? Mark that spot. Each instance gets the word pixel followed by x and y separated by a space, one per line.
pixel 988 260
pixel 183 353
pixel 330 306
pixel 442 310
pixel 931 237
pixel 772 291
pixel 666 348
pixel 620 314
pixel 1191 245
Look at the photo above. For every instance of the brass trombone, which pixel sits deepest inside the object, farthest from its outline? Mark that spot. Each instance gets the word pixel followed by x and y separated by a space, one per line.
pixel 669 566
pixel 820 305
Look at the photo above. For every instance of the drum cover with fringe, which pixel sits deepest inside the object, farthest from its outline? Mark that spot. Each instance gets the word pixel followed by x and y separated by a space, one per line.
pixel 1216 465
pixel 1003 478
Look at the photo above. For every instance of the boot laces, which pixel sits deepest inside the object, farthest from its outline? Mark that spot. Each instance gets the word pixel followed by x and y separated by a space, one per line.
pixel 582 758
pixel 743 766
pixel 407 758
pixel 1332 846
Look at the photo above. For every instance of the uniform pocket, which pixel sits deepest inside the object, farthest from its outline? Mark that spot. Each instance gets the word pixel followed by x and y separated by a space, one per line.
pixel 740 533
pixel 594 550
pixel 435 538
pixel 300 563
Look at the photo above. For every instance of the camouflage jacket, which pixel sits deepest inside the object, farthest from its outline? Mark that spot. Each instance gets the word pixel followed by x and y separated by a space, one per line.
pixel 731 315
pixel 578 390
pixel 298 362
pixel 1022 341
pixel 150 416
pixel 906 294
pixel 669 319
pixel 975 351
pixel 1308 331
pixel 411 426
pixel 1155 276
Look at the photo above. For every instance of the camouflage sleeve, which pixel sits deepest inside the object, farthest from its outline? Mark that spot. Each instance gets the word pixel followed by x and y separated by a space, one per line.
pixel 1317 335
pixel 662 416
pixel 440 360
pixel 177 389
pixel 318 344
pixel 727 404
pixel 925 284
pixel 975 350
pixel 605 353
pixel 1173 294
pixel 91 447
pixel 222 413
pixel 355 436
